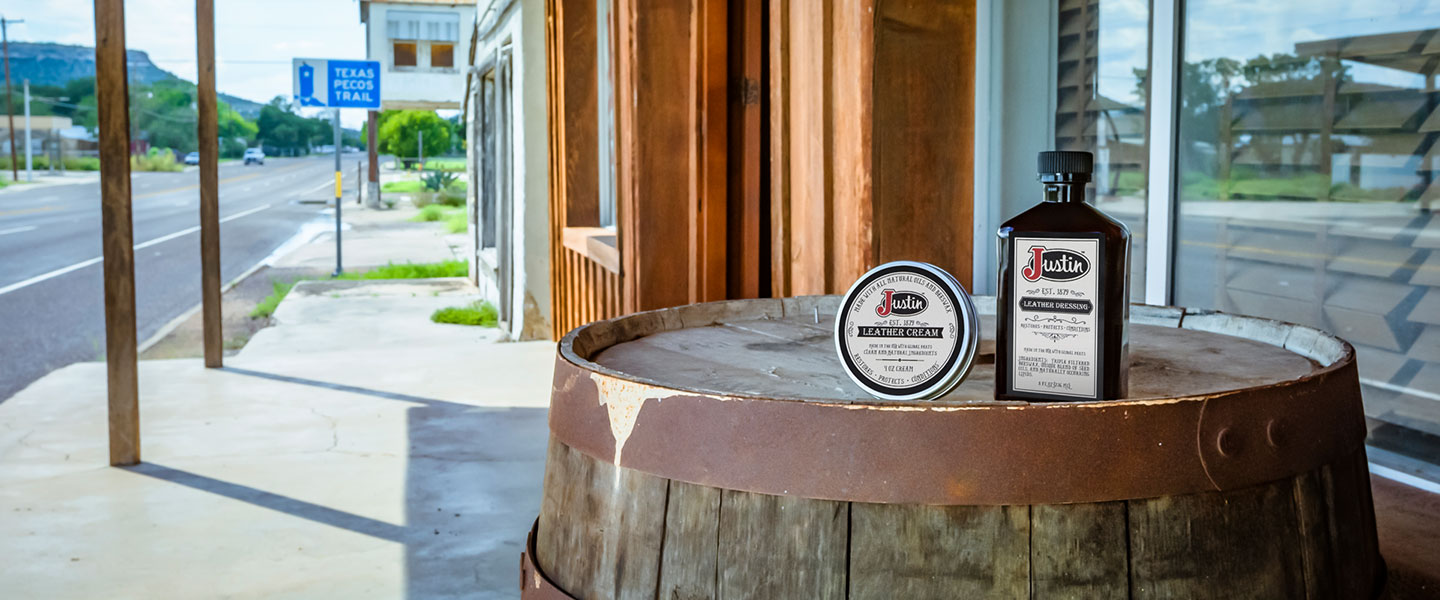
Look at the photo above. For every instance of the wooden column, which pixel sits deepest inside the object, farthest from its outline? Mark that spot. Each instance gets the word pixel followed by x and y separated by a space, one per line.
pixel 708 112
pixel 206 132
pixel 112 104
pixel 872 138
pixel 656 139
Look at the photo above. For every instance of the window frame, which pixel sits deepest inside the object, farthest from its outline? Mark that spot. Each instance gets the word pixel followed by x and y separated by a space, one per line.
pixel 451 53
pixel 414 54
pixel 995 178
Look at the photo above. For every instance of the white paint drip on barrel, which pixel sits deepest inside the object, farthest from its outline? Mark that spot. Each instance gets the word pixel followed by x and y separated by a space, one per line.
pixel 622 401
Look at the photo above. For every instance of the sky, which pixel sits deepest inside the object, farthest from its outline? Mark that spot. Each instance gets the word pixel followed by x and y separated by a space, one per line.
pixel 255 40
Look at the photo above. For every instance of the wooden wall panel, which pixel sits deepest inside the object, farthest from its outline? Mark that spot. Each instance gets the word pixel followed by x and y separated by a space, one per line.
pixel 747 261
pixel 580 113
pixel 581 290
pixel 924 115
pixel 853 64
pixel 806 36
pixel 778 130
pixel 872 135
pixel 655 135
pixel 709 152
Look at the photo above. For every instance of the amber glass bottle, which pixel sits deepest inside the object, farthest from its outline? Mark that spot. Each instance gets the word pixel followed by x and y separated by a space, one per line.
pixel 1063 304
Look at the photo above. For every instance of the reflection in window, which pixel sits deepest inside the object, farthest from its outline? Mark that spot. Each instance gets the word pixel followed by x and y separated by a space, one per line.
pixel 442 55
pixel 404 54
pixel 1306 177
pixel 1100 107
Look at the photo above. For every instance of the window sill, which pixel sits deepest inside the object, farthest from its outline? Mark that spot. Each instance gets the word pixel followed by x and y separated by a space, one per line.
pixel 599 244
pixel 405 69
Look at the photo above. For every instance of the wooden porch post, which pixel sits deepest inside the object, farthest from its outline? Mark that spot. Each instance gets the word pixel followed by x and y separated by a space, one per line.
pixel 112 103
pixel 208 135
pixel 871 138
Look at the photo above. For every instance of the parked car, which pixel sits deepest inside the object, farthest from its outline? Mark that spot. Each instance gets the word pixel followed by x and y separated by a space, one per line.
pixel 192 158
pixel 254 155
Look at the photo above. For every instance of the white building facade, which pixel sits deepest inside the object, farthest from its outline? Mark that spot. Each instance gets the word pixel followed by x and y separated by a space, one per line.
pixel 422 46
pixel 508 164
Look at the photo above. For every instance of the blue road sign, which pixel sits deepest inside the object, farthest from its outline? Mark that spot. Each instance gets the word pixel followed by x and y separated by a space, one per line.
pixel 337 83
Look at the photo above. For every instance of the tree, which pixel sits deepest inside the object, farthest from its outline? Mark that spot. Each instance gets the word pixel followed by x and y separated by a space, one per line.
pixel 399 134
pixel 232 125
pixel 288 133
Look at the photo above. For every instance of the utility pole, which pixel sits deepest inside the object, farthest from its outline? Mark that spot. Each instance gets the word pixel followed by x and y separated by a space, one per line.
pixel 372 187
pixel 29 174
pixel 208 142
pixel 338 268
pixel 9 111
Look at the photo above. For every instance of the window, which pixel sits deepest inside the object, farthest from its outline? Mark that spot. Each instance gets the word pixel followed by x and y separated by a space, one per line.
pixel 404 53
pixel 605 110
pixel 1100 108
pixel 442 55
pixel 485 111
pixel 1306 173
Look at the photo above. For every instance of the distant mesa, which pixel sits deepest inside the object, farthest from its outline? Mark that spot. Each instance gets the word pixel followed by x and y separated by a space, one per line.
pixel 45 63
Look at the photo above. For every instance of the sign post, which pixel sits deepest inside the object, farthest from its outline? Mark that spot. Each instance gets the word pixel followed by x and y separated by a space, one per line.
pixel 337 84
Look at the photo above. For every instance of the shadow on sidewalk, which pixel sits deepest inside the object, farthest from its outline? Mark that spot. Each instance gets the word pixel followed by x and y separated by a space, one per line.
pixel 472 487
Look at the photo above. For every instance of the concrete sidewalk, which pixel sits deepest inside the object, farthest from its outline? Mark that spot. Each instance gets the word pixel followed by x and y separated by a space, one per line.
pixel 355 450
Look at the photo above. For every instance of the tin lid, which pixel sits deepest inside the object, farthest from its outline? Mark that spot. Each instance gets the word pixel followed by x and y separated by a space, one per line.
pixel 906 331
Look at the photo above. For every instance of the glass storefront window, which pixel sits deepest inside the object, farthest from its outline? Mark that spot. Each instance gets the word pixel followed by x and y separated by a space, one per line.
pixel 1308 137
pixel 1100 107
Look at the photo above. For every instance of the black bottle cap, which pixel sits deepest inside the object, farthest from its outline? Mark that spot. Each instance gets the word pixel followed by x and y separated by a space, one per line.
pixel 1065 165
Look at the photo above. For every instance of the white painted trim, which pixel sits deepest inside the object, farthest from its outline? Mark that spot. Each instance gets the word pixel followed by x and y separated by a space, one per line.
pixel 1160 193
pixel 989 32
pixel 1405 478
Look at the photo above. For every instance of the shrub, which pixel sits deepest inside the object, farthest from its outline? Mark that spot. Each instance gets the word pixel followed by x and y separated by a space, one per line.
pixel 158 159
pixel 39 162
pixel 82 163
pixel 455 222
pixel 429 214
pixel 480 313
pixel 437 180
pixel 453 194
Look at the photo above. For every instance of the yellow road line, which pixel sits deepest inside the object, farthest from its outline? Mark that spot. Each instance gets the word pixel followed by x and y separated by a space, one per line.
pixel 26 211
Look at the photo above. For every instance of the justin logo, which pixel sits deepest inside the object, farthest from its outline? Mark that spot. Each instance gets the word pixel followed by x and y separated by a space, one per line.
pixel 902 303
pixel 1054 265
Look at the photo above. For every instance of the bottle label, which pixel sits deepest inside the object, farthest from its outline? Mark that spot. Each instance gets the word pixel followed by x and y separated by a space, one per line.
pixel 1055 324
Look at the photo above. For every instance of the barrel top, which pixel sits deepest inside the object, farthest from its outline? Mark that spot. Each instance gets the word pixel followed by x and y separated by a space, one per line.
pixel 750 395
pixel 792 356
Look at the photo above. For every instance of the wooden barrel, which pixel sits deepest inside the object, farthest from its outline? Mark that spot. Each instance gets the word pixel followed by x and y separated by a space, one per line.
pixel 718 451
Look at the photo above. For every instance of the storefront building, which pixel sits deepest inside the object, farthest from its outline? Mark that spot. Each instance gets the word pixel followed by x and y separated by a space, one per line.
pixel 1272 159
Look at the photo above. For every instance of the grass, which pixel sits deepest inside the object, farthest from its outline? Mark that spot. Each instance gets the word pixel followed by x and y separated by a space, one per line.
pixel 408 186
pixel 448 268
pixel 482 314
pixel 444 164
pixel 267 306
pixel 455 222
pixel 431 213
pixel 454 218
pixel 71 163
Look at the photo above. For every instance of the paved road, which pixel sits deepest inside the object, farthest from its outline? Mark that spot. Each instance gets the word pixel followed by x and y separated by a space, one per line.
pixel 51 294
